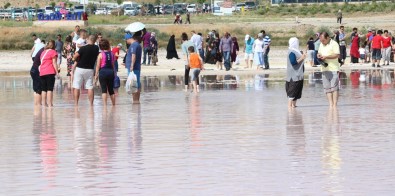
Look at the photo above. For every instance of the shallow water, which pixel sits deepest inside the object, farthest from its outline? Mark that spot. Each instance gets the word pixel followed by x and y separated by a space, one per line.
pixel 237 137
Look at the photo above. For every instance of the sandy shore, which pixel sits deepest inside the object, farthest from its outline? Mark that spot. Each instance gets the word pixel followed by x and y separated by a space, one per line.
pixel 18 63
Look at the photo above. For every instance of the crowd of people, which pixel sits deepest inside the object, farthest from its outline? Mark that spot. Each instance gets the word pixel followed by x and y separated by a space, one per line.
pixel 223 51
pixel 90 59
pixel 376 47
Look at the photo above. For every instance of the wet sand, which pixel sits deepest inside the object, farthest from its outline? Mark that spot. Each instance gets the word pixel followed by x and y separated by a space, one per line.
pixel 18 63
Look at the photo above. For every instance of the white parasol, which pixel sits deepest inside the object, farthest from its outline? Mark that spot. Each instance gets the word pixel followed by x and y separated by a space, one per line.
pixel 134 27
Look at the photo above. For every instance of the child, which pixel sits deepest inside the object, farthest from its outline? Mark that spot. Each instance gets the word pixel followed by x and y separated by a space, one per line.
pixel 367 54
pixel 195 64
pixel 362 53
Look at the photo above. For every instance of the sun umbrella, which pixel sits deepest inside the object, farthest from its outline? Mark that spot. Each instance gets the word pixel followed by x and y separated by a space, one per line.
pixel 134 27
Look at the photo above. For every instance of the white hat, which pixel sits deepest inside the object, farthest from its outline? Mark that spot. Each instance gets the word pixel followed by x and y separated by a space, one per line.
pixel 260 35
pixel 120 44
pixel 247 37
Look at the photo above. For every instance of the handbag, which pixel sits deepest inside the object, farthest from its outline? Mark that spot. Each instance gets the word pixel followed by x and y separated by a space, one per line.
pixel 117 82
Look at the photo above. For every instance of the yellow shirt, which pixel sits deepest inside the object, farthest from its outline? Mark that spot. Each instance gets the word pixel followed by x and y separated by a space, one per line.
pixel 327 50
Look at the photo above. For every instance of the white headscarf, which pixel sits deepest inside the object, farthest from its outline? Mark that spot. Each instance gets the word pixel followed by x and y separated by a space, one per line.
pixel 294 46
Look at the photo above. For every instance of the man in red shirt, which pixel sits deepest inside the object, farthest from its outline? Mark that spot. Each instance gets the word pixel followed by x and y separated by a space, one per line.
pixel 377 45
pixel 115 51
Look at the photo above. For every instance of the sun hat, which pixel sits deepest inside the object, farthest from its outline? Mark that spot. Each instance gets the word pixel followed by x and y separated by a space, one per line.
pixel 120 44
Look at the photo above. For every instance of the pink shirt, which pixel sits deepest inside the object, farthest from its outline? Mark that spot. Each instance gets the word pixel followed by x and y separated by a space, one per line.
pixel 47 67
pixel 104 58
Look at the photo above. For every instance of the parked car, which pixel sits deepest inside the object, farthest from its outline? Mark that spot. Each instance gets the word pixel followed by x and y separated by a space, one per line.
pixel 180 7
pixel 40 11
pixel 191 8
pixel 18 13
pixel 48 10
pixel 250 5
pixel 237 7
pixel 79 8
pixel 168 9
pixel 101 11
pixel 130 11
pixel 4 13
pixel 32 11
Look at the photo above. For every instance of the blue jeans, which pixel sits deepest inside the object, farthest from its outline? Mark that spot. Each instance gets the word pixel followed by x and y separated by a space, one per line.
pixel 201 54
pixel 226 59
pixel 145 57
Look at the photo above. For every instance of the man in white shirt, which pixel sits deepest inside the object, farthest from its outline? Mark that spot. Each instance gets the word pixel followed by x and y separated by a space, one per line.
pixel 197 40
pixel 82 40
pixel 35 49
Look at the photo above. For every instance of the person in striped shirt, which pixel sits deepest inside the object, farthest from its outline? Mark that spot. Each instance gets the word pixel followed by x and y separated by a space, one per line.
pixel 266 41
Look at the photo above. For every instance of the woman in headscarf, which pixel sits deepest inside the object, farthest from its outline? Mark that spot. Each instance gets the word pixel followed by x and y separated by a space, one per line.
pixel 235 50
pixel 154 48
pixel 354 51
pixel 211 50
pixel 295 72
pixel 171 48
pixel 218 58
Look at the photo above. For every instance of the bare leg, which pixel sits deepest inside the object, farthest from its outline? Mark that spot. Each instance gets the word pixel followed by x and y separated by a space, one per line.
pixel 186 88
pixel 50 98
pixel 335 98
pixel 136 97
pixel 76 96
pixel 44 98
pixel 330 98
pixel 290 103
pixel 113 99
pixel 37 99
pixel 250 66
pixel 90 96
pixel 197 88
pixel 194 86
pixel 294 103
pixel 104 97
pixel 247 64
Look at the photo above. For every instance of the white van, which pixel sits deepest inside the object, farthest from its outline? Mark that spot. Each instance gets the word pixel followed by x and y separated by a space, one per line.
pixel 48 10
pixel 126 4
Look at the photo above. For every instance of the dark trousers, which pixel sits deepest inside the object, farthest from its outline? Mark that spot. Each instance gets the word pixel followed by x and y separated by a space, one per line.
pixel 186 76
pixel 266 58
pixel 343 53
pixel 145 56
pixel 339 20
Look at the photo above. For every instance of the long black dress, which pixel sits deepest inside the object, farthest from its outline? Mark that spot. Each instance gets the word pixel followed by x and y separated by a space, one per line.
pixel 171 48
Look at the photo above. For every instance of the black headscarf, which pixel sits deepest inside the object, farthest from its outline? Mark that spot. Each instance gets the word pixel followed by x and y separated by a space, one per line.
pixel 171 48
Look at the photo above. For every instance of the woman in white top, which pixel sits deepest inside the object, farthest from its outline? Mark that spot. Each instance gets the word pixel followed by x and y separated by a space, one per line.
pixel 258 49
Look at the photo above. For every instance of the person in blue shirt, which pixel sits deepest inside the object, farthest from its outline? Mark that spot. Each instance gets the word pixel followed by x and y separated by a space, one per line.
pixel 248 54
pixel 133 60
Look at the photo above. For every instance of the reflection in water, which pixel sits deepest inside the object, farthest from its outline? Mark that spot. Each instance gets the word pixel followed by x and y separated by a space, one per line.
pixel 85 143
pixel 45 138
pixel 331 158
pixel 261 82
pixel 108 135
pixel 195 120
pixel 296 134
pixel 134 132
pixel 216 143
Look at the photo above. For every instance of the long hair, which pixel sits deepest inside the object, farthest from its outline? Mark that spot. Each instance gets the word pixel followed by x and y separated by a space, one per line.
pixel 50 45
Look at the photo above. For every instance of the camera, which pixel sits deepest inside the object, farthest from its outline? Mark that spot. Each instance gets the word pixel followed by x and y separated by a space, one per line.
pixel 322 63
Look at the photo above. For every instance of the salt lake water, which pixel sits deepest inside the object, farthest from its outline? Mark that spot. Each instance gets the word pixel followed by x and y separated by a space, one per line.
pixel 237 137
